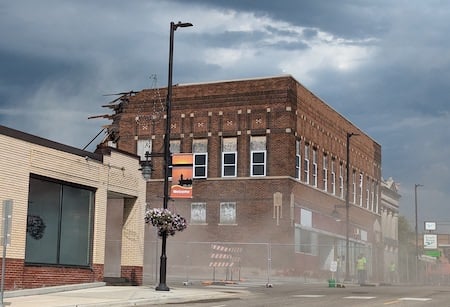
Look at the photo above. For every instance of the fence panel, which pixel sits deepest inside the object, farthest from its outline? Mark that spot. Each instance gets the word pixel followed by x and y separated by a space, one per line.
pixel 213 261
pixel 256 262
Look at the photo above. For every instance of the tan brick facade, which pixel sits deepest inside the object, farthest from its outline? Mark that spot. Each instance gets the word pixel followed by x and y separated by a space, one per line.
pixel 110 173
pixel 286 114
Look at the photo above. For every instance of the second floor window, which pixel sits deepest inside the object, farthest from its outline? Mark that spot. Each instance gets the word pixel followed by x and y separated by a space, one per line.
pixel 229 164
pixel 372 203
pixel 229 157
pixel 354 186
pixel 333 177
pixel 367 193
pixel 144 146
pixel 200 151
pixel 314 174
pixel 175 146
pixel 361 183
pixel 325 172
pixel 298 160
pixel 306 164
pixel 258 156
pixel 200 165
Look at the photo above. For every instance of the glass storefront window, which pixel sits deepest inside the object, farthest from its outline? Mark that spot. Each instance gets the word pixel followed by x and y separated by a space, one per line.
pixel 59 225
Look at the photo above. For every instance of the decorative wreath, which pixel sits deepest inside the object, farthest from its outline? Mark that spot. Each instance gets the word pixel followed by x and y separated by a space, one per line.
pixel 35 226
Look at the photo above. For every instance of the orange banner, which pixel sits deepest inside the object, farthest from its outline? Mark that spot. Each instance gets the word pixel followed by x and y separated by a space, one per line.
pixel 182 173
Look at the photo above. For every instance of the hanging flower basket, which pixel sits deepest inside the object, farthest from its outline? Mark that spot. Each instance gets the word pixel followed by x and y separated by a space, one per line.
pixel 167 222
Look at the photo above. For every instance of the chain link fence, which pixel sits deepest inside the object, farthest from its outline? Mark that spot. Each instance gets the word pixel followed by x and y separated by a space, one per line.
pixel 253 262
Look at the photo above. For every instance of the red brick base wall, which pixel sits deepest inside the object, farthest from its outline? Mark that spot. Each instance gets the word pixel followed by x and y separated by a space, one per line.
pixel 19 276
pixel 98 272
pixel 13 273
pixel 37 276
pixel 133 273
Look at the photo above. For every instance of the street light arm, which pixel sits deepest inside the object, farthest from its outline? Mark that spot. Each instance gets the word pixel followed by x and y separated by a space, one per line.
pixel 180 24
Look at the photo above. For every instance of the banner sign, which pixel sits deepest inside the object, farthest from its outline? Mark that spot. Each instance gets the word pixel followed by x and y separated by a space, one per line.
pixel 182 173
pixel 430 241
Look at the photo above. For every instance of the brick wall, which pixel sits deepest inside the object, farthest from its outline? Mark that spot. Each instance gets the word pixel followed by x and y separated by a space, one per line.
pixel 36 276
pixel 13 273
pixel 133 274
pixel 255 210
pixel 19 276
pixel 279 108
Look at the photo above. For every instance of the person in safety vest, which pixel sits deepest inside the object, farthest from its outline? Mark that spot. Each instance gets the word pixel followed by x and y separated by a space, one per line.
pixel 361 268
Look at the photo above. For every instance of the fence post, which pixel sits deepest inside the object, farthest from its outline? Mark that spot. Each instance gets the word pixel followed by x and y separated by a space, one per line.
pixel 188 263
pixel 269 265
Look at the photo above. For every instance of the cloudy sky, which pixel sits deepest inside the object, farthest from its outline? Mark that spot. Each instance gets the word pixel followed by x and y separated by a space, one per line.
pixel 384 65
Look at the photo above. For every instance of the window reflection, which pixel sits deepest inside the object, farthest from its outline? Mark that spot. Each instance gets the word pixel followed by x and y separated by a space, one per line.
pixel 59 223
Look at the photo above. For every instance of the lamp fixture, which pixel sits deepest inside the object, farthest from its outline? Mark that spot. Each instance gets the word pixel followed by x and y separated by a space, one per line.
pixel 146 167
pixel 335 214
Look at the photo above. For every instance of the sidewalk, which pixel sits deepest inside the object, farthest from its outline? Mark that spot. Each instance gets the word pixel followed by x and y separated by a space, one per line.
pixel 97 294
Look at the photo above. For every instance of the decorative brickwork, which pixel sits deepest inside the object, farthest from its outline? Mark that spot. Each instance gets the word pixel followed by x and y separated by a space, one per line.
pixel 286 114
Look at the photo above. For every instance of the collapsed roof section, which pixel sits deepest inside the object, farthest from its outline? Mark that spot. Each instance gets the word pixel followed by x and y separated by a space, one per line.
pixel 117 106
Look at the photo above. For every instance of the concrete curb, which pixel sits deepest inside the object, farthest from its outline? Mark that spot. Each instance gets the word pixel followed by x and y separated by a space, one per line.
pixel 52 289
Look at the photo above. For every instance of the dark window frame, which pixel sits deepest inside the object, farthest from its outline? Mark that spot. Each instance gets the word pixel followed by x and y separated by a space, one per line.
pixel 63 183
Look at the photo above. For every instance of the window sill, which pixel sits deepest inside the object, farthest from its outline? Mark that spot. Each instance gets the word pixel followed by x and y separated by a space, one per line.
pixel 54 265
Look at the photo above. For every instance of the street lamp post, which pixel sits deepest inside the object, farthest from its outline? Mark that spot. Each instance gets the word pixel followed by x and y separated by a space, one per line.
pixel 347 210
pixel 417 230
pixel 163 266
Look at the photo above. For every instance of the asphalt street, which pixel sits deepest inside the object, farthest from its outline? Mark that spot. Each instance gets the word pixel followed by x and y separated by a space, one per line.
pixel 245 294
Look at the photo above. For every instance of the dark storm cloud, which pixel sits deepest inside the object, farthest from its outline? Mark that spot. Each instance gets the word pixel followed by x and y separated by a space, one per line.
pixel 383 64
pixel 230 38
pixel 25 72
pixel 242 38
pixel 347 18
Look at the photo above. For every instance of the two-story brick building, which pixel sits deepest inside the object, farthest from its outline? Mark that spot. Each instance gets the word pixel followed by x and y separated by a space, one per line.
pixel 269 167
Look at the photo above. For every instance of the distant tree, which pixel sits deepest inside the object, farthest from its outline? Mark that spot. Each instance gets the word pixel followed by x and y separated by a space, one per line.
pixel 406 250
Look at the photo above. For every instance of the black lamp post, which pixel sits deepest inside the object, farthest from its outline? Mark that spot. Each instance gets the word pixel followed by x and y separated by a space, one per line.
pixel 347 211
pixel 417 231
pixel 163 266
